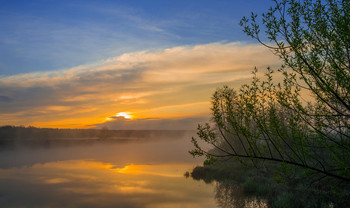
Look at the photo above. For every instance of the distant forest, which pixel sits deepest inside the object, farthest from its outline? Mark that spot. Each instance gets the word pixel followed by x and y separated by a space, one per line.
pixel 26 133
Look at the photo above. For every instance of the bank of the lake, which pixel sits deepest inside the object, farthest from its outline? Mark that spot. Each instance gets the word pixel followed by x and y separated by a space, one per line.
pixel 244 184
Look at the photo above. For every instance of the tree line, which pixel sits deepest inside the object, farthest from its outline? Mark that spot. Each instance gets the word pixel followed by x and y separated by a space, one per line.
pixel 23 133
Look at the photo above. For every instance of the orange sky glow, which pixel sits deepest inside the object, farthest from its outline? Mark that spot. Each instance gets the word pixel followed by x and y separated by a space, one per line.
pixel 171 84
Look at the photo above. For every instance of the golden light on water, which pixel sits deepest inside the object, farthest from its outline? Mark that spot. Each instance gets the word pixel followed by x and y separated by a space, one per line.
pixel 157 170
pixel 133 184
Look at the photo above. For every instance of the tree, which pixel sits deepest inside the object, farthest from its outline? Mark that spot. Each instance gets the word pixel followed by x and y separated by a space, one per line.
pixel 268 121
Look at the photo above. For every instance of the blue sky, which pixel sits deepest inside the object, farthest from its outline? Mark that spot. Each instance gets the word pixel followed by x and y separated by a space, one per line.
pixel 46 35
pixel 80 64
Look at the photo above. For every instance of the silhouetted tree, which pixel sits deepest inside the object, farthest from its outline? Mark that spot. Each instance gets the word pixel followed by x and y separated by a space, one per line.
pixel 268 121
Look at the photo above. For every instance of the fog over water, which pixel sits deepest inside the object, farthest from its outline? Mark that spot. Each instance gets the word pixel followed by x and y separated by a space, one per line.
pixel 128 172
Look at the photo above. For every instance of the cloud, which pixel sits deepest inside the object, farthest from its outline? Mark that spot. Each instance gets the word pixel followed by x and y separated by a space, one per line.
pixel 171 83
pixel 5 99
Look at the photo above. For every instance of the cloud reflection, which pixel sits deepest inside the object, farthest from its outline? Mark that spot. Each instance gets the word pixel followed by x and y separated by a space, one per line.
pixel 81 183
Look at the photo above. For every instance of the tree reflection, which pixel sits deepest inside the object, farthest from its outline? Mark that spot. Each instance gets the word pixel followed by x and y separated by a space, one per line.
pixel 229 194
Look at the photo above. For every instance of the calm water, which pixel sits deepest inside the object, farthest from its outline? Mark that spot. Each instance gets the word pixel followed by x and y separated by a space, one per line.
pixel 95 173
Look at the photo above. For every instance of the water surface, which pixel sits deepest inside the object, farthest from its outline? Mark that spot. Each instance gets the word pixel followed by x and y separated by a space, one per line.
pixel 102 173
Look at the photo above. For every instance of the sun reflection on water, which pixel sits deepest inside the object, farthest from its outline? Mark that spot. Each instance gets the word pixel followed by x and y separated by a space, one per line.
pixel 89 182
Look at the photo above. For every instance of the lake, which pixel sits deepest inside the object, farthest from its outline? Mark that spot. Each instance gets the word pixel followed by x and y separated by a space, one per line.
pixel 135 169
pixel 102 173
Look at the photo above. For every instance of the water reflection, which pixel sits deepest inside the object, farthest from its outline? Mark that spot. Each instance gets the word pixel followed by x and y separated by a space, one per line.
pixel 230 195
pixel 101 174
pixel 128 172
pixel 85 183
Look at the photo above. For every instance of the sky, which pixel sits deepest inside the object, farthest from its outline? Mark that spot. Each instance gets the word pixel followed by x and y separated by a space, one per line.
pixel 122 64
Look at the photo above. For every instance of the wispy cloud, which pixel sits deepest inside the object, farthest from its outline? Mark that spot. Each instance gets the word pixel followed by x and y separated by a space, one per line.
pixel 162 84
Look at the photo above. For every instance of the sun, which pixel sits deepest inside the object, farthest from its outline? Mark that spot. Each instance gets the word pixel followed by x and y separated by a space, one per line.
pixel 124 114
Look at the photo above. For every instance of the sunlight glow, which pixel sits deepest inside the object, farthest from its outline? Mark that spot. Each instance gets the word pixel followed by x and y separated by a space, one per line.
pixel 124 114
pixel 107 185
pixel 158 170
